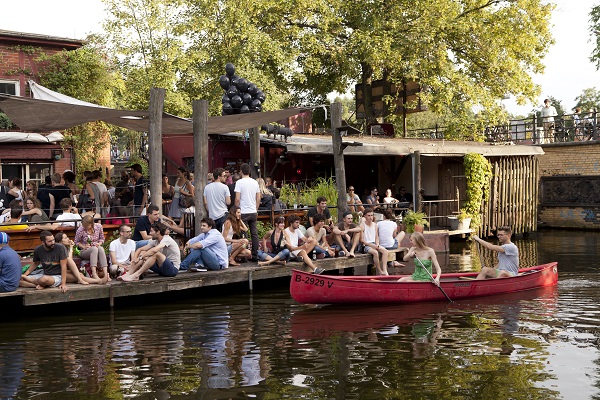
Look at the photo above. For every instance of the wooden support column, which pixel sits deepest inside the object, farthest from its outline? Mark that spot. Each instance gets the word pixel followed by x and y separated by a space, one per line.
pixel 255 152
pixel 157 101
pixel 200 129
pixel 338 158
pixel 417 180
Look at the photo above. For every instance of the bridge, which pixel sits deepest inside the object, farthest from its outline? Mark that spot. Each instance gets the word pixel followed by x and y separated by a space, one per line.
pixel 531 130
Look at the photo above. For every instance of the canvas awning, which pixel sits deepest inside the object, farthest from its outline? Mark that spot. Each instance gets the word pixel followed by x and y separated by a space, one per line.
pixel 55 111
pixel 17 137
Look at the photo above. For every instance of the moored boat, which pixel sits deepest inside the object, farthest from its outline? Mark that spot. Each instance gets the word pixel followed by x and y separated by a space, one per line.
pixel 323 289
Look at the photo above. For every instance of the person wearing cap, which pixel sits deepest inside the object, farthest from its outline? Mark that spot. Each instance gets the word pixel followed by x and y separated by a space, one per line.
pixel 10 266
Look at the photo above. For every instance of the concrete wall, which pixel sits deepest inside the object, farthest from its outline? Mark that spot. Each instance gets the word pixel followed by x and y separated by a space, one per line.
pixel 569 185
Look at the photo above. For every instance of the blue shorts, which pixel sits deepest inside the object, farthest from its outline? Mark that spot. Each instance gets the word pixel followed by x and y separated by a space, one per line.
pixel 394 246
pixel 166 269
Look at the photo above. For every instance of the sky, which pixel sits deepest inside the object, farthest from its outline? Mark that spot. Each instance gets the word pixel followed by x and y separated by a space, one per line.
pixel 568 69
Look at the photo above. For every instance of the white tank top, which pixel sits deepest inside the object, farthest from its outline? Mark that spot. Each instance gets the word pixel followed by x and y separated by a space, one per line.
pixel 369 232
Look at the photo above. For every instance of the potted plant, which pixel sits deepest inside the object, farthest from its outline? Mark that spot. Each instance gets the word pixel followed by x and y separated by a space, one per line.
pixel 461 221
pixel 415 221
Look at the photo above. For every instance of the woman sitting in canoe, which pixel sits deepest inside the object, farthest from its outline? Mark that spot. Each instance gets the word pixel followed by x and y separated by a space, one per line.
pixel 424 257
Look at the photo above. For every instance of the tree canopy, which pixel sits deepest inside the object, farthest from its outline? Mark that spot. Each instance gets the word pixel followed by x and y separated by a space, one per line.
pixel 467 54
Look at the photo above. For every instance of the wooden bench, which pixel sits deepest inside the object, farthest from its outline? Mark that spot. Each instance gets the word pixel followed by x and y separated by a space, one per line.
pixel 392 254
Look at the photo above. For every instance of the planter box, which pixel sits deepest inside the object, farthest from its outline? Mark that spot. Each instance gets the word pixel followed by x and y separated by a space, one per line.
pixel 455 225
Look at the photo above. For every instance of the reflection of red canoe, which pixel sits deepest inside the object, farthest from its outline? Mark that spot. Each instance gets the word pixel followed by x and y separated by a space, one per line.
pixel 324 289
pixel 324 321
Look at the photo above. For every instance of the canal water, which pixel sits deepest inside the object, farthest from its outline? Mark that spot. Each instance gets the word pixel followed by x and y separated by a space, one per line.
pixel 540 344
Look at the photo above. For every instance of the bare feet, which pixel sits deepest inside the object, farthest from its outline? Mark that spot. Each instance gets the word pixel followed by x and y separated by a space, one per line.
pixel 40 287
pixel 128 278
pixel 232 263
pixel 263 263
pixel 351 254
pixel 82 282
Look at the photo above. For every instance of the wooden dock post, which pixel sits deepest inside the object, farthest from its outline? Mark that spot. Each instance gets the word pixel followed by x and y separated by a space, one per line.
pixel 338 158
pixel 200 129
pixel 157 101
pixel 255 152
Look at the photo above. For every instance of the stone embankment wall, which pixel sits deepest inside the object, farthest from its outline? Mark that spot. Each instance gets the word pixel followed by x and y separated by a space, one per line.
pixel 569 195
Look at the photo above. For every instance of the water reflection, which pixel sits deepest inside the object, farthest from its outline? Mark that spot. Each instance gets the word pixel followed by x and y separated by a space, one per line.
pixel 524 345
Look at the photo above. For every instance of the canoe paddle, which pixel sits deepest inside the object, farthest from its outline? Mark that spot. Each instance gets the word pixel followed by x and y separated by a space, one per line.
pixel 433 280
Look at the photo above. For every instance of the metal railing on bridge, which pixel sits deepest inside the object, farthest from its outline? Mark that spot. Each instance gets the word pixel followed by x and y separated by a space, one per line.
pixel 532 130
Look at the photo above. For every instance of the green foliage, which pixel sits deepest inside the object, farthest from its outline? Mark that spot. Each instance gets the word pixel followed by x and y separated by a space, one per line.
pixel 5 122
pixel 263 228
pixel 467 55
pixel 307 194
pixel 413 218
pixel 479 172
pixel 588 99
pixel 85 75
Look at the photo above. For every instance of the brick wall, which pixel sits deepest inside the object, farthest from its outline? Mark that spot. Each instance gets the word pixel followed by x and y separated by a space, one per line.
pixel 577 160
pixel 19 65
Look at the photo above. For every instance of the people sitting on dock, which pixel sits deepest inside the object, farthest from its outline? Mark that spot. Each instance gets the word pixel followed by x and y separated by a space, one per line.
pixel 321 209
pixel 74 275
pixel 89 237
pixel 319 233
pixel 424 258
pixel 144 223
pixel 10 266
pixel 369 238
pixel 293 235
pixel 208 250
pixel 353 200
pixel 234 233
pixel 508 256
pixel 390 234
pixel 52 257
pixel 69 216
pixel 347 234
pixel 278 251
pixel 160 255
pixel 217 198
pixel 121 252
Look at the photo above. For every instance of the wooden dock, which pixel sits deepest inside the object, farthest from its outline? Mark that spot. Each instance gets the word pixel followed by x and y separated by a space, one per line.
pixel 153 284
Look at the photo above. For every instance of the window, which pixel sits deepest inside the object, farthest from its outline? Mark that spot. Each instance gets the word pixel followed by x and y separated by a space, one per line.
pixel 9 87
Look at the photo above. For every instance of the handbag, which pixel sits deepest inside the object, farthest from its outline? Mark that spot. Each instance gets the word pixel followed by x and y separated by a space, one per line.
pixel 182 196
pixel 85 202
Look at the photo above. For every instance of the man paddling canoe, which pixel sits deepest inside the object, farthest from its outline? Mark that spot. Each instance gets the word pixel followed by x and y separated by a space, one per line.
pixel 508 256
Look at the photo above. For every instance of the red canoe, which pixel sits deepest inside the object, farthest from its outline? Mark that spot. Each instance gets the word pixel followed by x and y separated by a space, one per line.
pixel 324 289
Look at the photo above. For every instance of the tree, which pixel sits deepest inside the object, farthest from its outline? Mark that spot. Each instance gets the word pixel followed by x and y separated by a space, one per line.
pixel 83 74
pixel 588 99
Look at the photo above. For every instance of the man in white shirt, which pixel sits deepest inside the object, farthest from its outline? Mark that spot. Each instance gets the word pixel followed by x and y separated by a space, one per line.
pixel 247 197
pixel 160 255
pixel 121 251
pixel 217 198
pixel 293 235
pixel 69 215
pixel 369 238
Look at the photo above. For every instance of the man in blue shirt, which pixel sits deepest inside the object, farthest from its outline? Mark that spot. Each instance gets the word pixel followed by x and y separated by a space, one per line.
pixel 208 249
pixel 10 266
